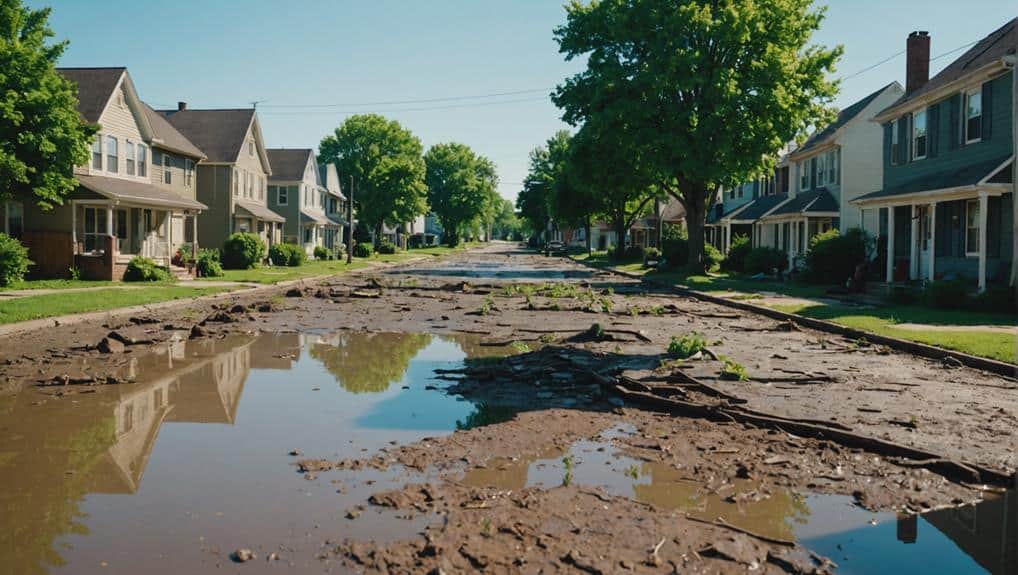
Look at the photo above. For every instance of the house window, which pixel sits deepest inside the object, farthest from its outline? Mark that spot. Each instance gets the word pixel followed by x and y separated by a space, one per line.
pixel 250 148
pixel 236 183
pixel 97 153
pixel 167 173
pixel 142 160
pixel 919 135
pixel 822 169
pixel 188 172
pixel 129 153
pixel 803 168
pixel 307 235
pixel 261 188
pixel 972 228
pixel 973 128
pixel 282 198
pixel 14 225
pixel 895 142
pixel 112 158
pixel 95 229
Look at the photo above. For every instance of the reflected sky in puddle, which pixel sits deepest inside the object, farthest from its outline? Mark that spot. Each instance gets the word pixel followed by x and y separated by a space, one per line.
pixel 972 539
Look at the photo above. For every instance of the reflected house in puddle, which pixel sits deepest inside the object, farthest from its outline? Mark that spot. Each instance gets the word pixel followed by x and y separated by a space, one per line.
pixel 276 351
pixel 987 532
pixel 102 442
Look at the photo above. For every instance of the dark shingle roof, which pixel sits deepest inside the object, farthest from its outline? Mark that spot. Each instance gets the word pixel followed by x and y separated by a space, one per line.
pixel 994 46
pixel 816 201
pixel 966 176
pixel 218 133
pixel 713 217
pixel 844 117
pixel 288 164
pixel 760 206
pixel 132 191
pixel 95 86
pixel 170 138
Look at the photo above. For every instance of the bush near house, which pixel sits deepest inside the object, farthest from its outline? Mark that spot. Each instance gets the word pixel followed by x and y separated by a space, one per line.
pixel 322 254
pixel 362 250
pixel 765 260
pixel 832 258
pixel 735 261
pixel 386 247
pixel 142 269
pixel 242 251
pixel 651 255
pixel 208 264
pixel 995 299
pixel 182 256
pixel 712 257
pixel 289 255
pixel 14 260
pixel 945 294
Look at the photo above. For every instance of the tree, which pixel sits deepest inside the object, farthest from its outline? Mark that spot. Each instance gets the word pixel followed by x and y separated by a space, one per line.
pixel 534 200
pixel 42 136
pixel 706 89
pixel 460 188
pixel 387 166
pixel 506 225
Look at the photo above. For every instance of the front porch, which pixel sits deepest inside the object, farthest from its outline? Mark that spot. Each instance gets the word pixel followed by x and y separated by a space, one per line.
pixel 792 233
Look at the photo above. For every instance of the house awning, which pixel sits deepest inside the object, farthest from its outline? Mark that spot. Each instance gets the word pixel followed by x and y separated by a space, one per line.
pixel 137 192
pixel 818 203
pixel 336 221
pixel 258 211
pixel 965 178
pixel 312 218
pixel 758 208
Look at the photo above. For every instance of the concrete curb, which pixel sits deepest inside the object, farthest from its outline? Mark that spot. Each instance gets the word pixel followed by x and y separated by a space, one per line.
pixel 915 348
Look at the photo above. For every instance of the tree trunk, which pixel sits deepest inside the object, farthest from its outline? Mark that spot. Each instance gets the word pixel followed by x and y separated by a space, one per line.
pixel 696 217
pixel 378 233
pixel 587 235
pixel 620 235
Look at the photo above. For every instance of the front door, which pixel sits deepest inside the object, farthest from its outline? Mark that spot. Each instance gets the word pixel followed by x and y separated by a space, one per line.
pixel 924 241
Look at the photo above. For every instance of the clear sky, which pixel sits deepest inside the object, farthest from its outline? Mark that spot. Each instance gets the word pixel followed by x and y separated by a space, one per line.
pixel 358 56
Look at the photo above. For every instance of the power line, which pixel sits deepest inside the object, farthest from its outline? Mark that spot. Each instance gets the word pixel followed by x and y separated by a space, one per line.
pixel 418 101
pixel 395 110
pixel 899 53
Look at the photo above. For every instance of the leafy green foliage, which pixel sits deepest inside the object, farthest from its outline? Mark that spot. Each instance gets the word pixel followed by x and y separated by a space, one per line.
pixel 712 257
pixel 42 136
pixel 208 264
pixel 733 371
pixel 290 255
pixel 387 165
pixel 322 253
pixel 362 250
pixel 242 251
pixel 687 345
pixel 765 260
pixel 142 269
pixel 14 260
pixel 386 247
pixel 832 257
pixel 945 294
pixel 461 187
pixel 735 261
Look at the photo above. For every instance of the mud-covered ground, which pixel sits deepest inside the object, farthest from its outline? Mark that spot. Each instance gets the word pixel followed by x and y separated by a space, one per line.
pixel 816 413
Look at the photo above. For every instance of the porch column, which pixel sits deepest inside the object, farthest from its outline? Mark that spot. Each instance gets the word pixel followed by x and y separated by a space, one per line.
pixel 890 244
pixel 933 240
pixel 168 222
pixel 109 223
pixel 74 227
pixel 913 260
pixel 983 208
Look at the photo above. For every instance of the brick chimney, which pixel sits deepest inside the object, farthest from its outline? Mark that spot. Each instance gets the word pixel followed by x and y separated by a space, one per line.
pixel 181 106
pixel 917 66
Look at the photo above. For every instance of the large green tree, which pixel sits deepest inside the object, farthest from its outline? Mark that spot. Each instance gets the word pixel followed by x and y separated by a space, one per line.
pixel 460 188
pixel 534 201
pixel 706 90
pixel 506 225
pixel 386 163
pixel 42 136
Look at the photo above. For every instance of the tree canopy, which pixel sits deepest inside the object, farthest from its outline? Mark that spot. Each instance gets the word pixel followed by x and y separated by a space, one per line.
pixel 386 163
pixel 42 136
pixel 706 90
pixel 461 189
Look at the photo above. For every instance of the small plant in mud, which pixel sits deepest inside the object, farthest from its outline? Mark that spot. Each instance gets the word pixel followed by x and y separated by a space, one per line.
pixel 734 371
pixel 486 528
pixel 617 350
pixel 555 307
pixel 657 310
pixel 913 422
pixel 595 331
pixel 606 305
pixel 530 301
pixel 547 338
pixel 632 471
pixel 520 347
pixel 567 463
pixel 487 306
pixel 687 346
pixel 634 310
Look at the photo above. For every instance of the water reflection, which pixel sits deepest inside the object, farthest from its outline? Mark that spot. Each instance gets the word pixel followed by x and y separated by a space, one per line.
pixel 368 362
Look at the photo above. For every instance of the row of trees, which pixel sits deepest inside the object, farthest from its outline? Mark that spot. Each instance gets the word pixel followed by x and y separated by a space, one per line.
pixel 395 180
pixel 678 98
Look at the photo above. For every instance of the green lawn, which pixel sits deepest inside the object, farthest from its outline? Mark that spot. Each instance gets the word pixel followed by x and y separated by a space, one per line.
pixel 50 305
pixel 55 284
pixel 276 274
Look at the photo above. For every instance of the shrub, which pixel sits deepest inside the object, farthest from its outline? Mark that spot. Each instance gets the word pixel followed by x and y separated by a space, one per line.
pixel 673 232
pixel 765 260
pixel 995 299
pixel 14 260
pixel 207 264
pixel 735 261
pixel 284 254
pixel 142 269
pixel 386 247
pixel 322 254
pixel 711 256
pixel 945 294
pixel 832 257
pixel 242 251
pixel 675 252
pixel 362 250
pixel 183 255
pixel 651 255
pixel 687 346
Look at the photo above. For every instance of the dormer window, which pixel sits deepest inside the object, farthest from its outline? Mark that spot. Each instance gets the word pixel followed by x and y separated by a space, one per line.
pixel 112 156
pixel 97 152
pixel 973 128
pixel 919 135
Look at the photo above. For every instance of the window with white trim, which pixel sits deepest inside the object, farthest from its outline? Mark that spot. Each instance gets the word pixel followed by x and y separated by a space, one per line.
pixel 822 169
pixel 97 152
pixel 14 225
pixel 167 172
pixel 236 183
pixel 282 197
pixel 95 229
pixel 919 135
pixel 143 160
pixel 973 121
pixel 112 156
pixel 129 153
pixel 250 148
pixel 895 142
pixel 972 228
pixel 803 168
pixel 188 172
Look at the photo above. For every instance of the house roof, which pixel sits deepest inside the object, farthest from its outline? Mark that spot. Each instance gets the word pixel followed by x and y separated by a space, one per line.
pixel 969 175
pixel 813 202
pixel 289 164
pixel 218 133
pixel 845 116
pixel 993 47
pixel 259 211
pixel 311 217
pixel 335 220
pixel 168 137
pixel 95 86
pixel 713 218
pixel 760 207
pixel 137 192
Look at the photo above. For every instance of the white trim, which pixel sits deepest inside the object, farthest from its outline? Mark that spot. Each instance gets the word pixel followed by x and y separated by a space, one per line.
pixel 965 95
pixel 941 195
pixel 996 171
pixel 969 253
pixel 980 76
pixel 926 134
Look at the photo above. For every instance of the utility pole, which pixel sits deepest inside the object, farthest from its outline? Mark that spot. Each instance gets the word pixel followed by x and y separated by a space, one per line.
pixel 349 220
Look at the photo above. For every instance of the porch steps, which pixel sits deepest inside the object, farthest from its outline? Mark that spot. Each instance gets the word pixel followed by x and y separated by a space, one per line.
pixel 179 273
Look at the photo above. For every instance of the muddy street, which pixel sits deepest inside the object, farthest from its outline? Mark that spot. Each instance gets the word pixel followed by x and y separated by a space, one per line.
pixel 500 411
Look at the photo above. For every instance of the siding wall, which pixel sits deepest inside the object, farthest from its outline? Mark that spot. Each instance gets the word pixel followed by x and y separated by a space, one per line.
pixel 118 120
pixel 291 211
pixel 213 190
pixel 176 169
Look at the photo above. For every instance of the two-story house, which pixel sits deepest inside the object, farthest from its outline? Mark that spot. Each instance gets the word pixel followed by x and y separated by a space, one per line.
pixel 335 207
pixel 233 180
pixel 834 165
pixel 945 205
pixel 126 204
pixel 297 194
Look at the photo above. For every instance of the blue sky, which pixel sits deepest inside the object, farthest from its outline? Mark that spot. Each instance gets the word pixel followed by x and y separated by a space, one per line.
pixel 359 55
